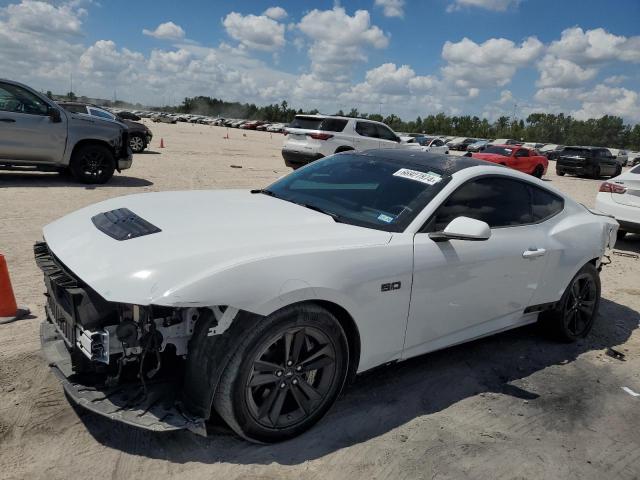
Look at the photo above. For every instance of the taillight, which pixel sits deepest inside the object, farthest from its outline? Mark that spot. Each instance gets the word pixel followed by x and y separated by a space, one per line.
pixel 609 187
pixel 320 136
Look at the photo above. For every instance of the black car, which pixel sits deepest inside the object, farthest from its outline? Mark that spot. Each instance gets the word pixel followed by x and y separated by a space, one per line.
pixel 139 134
pixel 594 162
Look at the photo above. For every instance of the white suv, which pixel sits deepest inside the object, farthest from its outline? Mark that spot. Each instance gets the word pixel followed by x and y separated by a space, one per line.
pixel 311 137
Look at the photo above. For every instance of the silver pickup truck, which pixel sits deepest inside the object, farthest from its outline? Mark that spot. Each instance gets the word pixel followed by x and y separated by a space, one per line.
pixel 37 134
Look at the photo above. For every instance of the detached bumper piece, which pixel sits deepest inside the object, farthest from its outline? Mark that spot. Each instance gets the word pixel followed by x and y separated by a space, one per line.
pixel 156 411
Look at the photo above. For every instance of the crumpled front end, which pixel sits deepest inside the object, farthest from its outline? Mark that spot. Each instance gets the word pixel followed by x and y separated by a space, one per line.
pixel 125 362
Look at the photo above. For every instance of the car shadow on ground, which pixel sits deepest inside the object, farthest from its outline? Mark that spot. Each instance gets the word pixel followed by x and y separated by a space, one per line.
pixel 148 152
pixel 386 398
pixel 52 179
pixel 630 244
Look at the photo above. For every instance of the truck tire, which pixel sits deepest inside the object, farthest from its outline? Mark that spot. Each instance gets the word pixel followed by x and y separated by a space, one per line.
pixel 285 374
pixel 92 163
pixel 137 143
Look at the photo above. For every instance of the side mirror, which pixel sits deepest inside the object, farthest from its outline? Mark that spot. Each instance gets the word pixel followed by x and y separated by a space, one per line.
pixel 463 228
pixel 54 115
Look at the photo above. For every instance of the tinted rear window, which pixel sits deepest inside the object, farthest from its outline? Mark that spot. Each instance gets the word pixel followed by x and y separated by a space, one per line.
pixel 635 169
pixel 326 124
pixel 582 152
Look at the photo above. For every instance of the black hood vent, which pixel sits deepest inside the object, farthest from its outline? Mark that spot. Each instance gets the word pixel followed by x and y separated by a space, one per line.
pixel 123 224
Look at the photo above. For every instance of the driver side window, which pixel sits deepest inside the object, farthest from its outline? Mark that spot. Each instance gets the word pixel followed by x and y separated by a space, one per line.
pixel 522 153
pixel 18 100
pixel 500 202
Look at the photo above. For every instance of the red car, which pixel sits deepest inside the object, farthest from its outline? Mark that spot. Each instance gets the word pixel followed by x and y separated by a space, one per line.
pixel 516 157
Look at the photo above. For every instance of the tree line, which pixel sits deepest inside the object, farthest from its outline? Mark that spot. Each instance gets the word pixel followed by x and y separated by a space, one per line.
pixel 610 131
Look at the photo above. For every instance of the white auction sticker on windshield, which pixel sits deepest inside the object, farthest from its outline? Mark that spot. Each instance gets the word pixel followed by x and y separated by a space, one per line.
pixel 429 178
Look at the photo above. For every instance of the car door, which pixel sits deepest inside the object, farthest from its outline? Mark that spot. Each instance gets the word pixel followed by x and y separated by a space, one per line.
pixel 387 138
pixel 522 160
pixel 466 289
pixel 366 137
pixel 27 132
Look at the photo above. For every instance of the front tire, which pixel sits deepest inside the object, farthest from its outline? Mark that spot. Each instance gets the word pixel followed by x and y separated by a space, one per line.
pixel 285 375
pixel 596 172
pixel 621 234
pixel 560 173
pixel 92 164
pixel 575 314
pixel 137 143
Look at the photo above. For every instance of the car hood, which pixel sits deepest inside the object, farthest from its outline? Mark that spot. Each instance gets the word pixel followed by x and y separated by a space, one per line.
pixel 201 233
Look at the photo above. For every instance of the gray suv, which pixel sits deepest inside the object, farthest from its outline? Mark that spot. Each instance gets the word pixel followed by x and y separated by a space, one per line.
pixel 37 134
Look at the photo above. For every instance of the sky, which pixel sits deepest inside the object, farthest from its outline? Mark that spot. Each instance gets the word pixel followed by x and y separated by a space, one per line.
pixel 409 57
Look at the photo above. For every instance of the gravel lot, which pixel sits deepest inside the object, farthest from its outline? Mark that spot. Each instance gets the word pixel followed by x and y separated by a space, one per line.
pixel 512 406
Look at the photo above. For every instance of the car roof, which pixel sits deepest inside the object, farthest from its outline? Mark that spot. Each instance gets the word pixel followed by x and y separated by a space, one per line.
pixel 446 164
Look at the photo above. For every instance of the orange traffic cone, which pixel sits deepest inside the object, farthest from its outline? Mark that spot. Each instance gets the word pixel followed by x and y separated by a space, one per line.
pixel 9 311
pixel 162 143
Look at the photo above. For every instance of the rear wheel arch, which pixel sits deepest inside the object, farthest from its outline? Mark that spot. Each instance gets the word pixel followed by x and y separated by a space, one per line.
pixel 343 149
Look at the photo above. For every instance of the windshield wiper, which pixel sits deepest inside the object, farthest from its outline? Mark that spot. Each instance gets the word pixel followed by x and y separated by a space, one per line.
pixel 335 216
pixel 265 192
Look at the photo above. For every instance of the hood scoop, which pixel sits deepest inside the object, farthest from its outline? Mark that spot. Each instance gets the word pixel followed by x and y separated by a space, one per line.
pixel 122 224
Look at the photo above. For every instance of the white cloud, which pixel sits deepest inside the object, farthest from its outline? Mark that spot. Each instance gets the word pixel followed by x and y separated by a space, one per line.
pixel 166 31
pixel 604 100
pixel 339 40
pixel 276 13
pixel 495 5
pixel 492 63
pixel 255 32
pixel 595 46
pixel 554 95
pixel 391 8
pixel 505 97
pixel 558 72
pixel 43 17
pixel 615 79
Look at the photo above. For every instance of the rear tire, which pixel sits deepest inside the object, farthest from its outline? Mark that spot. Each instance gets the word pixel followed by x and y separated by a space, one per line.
pixel 560 173
pixel 574 315
pixel 92 164
pixel 538 171
pixel 621 234
pixel 285 375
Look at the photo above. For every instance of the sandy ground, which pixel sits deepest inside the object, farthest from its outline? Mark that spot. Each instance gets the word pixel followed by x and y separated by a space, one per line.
pixel 509 407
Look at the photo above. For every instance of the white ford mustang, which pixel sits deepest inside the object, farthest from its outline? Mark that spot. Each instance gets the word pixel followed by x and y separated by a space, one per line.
pixel 259 305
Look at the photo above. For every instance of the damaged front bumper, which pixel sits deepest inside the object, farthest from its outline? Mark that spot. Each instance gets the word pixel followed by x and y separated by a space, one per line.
pixel 158 410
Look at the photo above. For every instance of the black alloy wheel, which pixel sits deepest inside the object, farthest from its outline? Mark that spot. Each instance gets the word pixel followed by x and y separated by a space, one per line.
pixel 580 305
pixel 285 375
pixel 291 377
pixel 576 312
pixel 92 164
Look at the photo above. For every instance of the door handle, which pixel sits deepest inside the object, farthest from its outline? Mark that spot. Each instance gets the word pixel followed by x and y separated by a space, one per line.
pixel 7 120
pixel 533 253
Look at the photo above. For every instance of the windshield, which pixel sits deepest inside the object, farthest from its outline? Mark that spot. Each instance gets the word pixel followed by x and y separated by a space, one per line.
pixel 424 140
pixel 498 150
pixel 361 190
